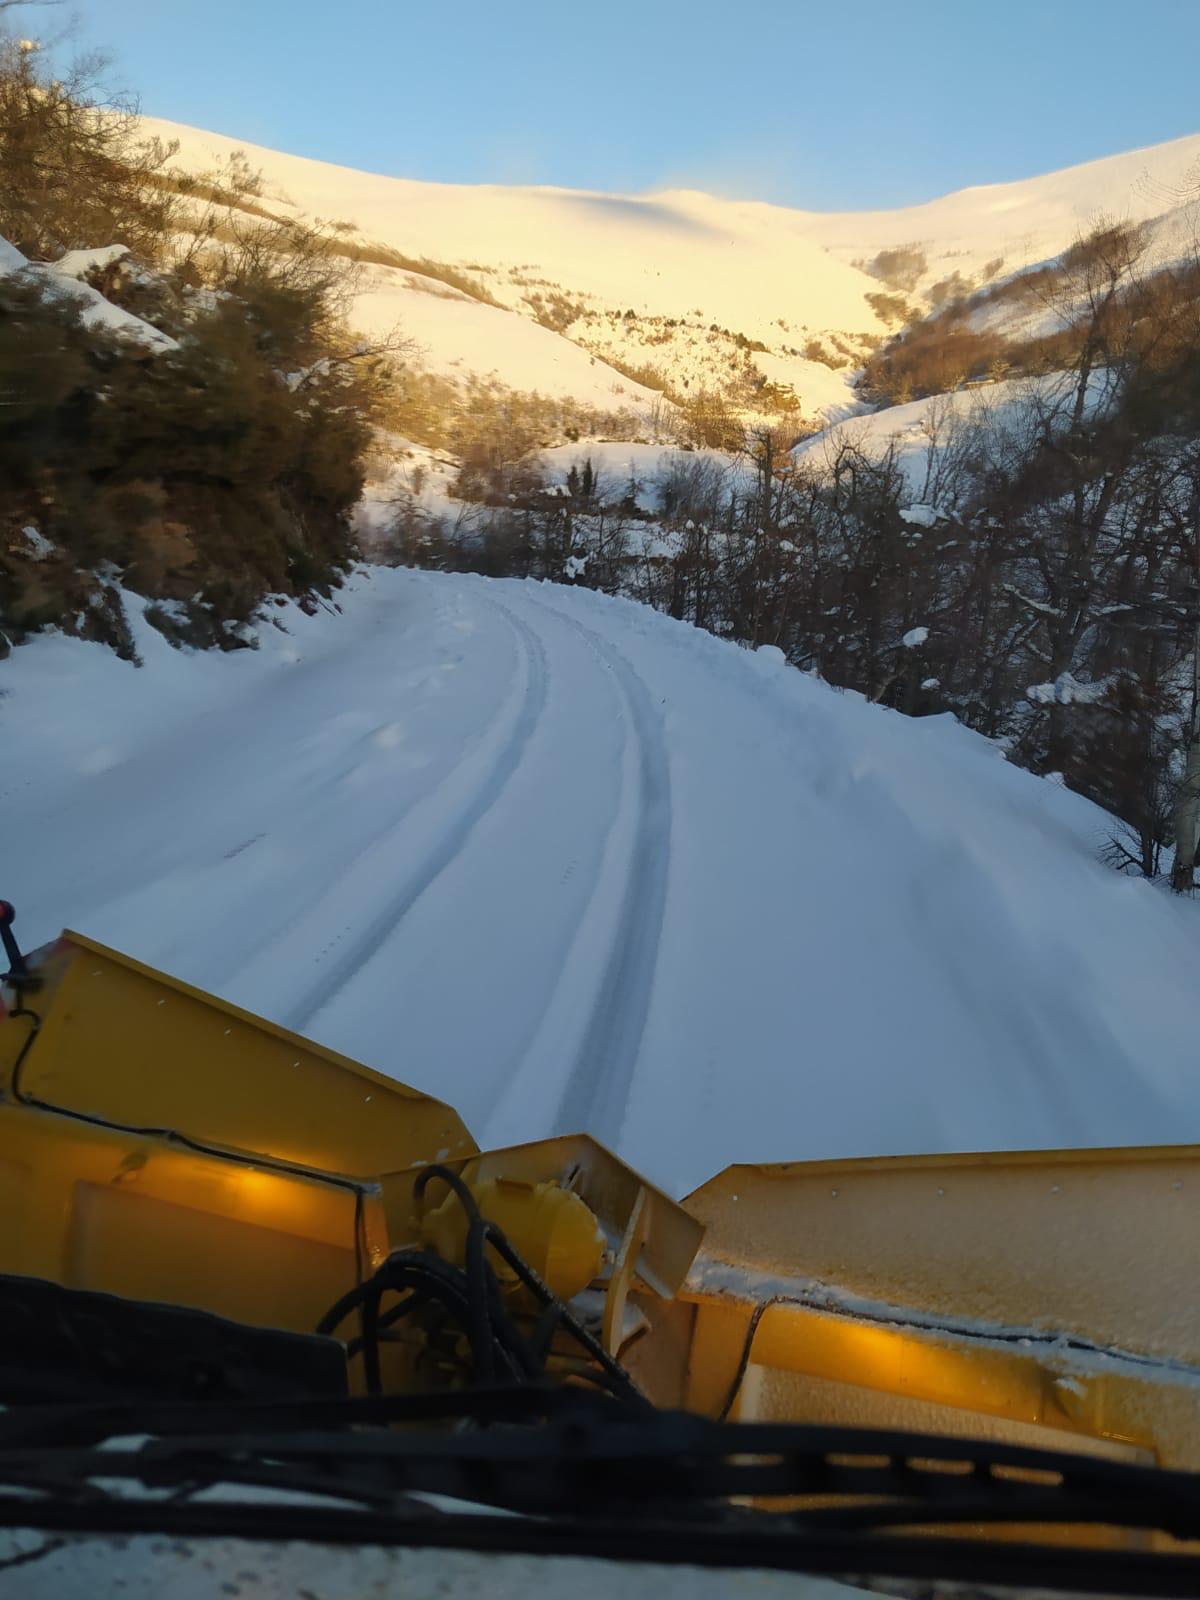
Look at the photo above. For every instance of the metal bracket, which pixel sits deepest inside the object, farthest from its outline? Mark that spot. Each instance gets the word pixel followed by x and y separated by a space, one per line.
pixel 18 975
pixel 623 1270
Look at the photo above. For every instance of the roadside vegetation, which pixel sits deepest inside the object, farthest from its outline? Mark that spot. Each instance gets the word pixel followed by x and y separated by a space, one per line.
pixel 206 469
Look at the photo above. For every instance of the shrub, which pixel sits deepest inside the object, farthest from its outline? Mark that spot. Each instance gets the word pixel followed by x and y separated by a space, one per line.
pixel 900 267
pixel 893 309
pixel 198 475
pixel 815 350
pixel 952 288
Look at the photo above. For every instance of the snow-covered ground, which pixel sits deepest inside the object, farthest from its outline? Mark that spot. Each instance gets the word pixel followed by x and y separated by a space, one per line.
pixel 678 283
pixel 923 429
pixel 743 263
pixel 198 1569
pixel 417 477
pixel 569 864
pixel 925 434
pixel 459 337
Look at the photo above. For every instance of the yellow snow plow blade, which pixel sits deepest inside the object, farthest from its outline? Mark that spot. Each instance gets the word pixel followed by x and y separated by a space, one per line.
pixel 159 1144
pixel 994 1294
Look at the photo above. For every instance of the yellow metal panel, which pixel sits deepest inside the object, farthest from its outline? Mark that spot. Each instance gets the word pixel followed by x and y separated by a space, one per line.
pixel 623 1271
pixel 1158 1411
pixel 1104 1244
pixel 776 1392
pixel 146 1248
pixel 122 1042
pixel 98 1208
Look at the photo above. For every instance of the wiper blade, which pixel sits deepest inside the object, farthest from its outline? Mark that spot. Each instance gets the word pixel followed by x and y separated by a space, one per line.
pixel 742 1543
pixel 673 1460
pixel 377 1471
pixel 593 1456
pixel 587 1477
pixel 89 1422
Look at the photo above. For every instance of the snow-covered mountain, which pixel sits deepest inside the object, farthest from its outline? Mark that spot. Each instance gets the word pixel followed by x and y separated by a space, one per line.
pixel 1018 224
pixel 684 284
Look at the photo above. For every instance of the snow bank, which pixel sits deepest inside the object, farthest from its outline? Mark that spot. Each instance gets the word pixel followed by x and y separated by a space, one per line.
pixel 62 280
pixel 78 263
pixel 147 1567
pixel 921 516
pixel 564 862
pixel 11 259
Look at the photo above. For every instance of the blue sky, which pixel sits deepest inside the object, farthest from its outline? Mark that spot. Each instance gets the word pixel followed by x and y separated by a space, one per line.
pixel 828 104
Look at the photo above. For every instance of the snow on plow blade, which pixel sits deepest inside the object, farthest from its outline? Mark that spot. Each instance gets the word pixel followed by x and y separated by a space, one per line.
pixel 161 1145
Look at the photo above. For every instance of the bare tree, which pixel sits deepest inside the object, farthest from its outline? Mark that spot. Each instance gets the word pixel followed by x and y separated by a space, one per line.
pixel 75 168
pixel 1187 807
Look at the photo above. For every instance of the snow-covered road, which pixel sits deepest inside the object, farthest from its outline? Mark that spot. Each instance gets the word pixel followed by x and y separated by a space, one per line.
pixel 565 863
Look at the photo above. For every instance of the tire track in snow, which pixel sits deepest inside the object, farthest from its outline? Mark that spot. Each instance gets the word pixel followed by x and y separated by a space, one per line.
pixel 453 837
pixel 287 931
pixel 597 1092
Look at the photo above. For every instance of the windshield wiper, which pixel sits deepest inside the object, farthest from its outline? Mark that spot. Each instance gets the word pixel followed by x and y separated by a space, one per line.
pixel 593 1479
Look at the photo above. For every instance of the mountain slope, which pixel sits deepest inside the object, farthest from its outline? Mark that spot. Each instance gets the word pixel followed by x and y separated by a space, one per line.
pixel 459 337
pixel 1022 222
pixel 659 254
pixel 704 292
pixel 564 862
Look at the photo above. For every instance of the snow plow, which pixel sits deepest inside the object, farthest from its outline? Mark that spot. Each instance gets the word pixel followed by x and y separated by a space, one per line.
pixel 280 1269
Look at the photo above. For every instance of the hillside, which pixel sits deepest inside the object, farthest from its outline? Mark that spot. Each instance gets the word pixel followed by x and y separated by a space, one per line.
pixel 566 864
pixel 698 291
pixel 660 254
pixel 458 337
pixel 682 285
pixel 1018 224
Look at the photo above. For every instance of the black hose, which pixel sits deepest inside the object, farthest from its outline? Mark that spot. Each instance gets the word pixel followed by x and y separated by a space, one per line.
pixel 387 1321
pixel 370 1337
pixel 760 1312
pixel 471 1296
pixel 452 1181
pixel 478 1273
pixel 623 1383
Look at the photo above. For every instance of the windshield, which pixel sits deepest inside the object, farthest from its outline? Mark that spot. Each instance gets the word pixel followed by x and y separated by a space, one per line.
pixel 600 710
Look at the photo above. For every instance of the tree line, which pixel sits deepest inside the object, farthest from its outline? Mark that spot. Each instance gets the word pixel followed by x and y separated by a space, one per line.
pixel 1033 568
